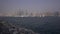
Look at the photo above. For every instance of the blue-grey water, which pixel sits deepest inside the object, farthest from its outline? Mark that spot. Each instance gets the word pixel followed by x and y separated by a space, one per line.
pixel 47 25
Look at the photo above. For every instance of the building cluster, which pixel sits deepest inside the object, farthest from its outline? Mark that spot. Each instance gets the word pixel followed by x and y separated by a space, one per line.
pixel 36 14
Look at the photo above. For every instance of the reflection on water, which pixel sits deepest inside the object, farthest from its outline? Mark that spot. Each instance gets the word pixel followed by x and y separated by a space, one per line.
pixel 30 25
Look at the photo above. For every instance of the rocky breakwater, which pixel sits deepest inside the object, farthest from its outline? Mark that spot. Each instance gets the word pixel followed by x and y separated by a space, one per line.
pixel 6 28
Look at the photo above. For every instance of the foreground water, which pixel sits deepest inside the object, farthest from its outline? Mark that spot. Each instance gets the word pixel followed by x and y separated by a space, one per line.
pixel 42 25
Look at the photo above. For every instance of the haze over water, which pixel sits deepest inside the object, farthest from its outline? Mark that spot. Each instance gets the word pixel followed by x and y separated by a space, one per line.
pixel 13 7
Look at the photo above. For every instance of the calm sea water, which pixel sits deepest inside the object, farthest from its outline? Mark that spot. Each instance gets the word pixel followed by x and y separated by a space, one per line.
pixel 47 25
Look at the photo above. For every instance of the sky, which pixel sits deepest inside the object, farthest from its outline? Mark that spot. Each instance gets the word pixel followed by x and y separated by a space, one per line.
pixel 10 7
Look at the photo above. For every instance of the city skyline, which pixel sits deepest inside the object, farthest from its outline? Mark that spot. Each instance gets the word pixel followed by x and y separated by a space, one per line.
pixel 12 7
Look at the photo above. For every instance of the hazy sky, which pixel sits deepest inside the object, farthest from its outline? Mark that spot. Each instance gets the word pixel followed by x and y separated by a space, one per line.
pixel 11 6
